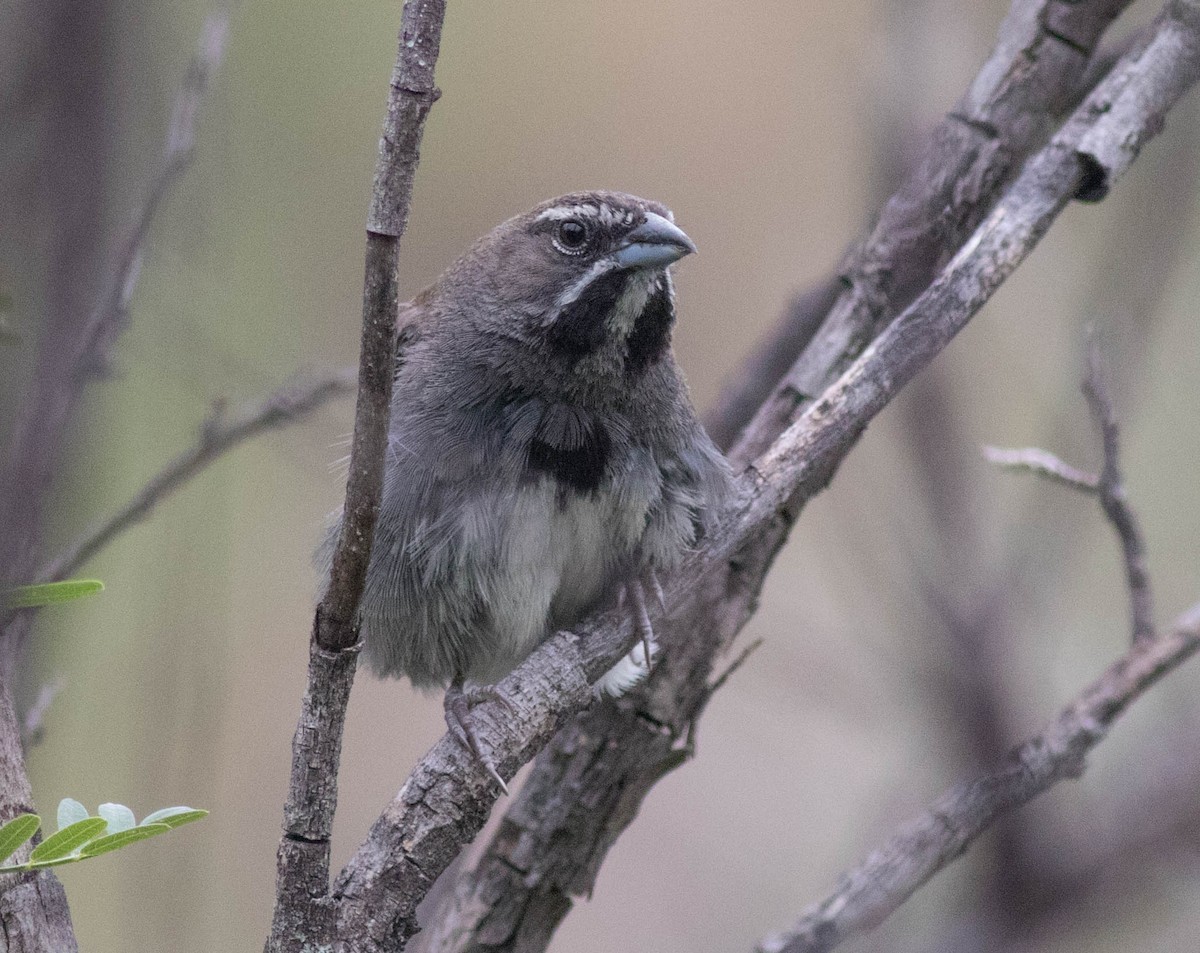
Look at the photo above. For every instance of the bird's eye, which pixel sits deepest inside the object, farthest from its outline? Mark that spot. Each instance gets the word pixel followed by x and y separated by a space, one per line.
pixel 571 237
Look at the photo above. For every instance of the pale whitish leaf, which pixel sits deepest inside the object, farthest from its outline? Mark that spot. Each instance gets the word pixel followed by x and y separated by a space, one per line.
pixel 65 842
pixel 174 816
pixel 16 833
pixel 109 842
pixel 70 811
pixel 49 593
pixel 119 817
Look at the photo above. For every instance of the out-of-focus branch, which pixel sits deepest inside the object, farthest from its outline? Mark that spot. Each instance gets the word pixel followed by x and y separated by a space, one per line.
pixel 888 877
pixel 529 875
pixel 752 383
pixel 1115 501
pixel 1042 463
pixel 92 355
pixel 305 915
pixel 1109 486
pixel 37 441
pixel 871 892
pixel 219 434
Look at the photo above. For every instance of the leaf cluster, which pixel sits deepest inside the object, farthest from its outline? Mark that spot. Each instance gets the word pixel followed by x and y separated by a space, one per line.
pixel 81 836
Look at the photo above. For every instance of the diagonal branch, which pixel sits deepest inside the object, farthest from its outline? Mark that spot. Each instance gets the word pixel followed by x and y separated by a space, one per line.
pixel 218 435
pixel 1036 75
pixel 445 801
pixel 871 892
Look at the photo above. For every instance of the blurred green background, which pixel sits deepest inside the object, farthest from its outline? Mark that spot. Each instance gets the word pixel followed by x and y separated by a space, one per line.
pixel 774 130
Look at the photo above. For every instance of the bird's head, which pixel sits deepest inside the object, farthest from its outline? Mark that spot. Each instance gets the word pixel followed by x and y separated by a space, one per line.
pixel 582 278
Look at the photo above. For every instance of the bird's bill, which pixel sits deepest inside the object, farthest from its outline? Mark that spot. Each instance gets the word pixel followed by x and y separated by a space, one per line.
pixel 653 244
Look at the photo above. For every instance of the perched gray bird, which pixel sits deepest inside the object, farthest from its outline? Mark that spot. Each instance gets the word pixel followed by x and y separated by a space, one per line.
pixel 543 450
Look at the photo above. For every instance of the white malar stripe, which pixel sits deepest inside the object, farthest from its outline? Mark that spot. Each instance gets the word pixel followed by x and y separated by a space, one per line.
pixel 629 306
pixel 601 267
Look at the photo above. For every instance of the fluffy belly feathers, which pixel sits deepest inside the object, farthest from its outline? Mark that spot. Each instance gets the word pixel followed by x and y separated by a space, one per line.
pixel 475 589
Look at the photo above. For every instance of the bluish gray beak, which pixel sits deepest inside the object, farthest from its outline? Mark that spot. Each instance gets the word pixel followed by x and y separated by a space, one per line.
pixel 653 244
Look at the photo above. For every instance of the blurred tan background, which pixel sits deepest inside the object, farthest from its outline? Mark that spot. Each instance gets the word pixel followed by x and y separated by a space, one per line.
pixel 773 130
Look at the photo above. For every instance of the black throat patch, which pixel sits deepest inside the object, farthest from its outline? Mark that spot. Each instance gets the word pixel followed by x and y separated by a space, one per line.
pixel 651 335
pixel 571 446
pixel 580 327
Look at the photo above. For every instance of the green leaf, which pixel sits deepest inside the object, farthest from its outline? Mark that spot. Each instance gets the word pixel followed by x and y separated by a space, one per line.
pixel 61 845
pixel 70 811
pixel 16 832
pixel 174 816
pixel 119 817
pixel 48 593
pixel 109 842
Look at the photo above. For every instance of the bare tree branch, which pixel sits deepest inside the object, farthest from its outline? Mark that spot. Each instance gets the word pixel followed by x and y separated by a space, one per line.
pixel 868 894
pixel 1031 80
pixel 1043 463
pixel 1043 64
pixel 970 624
pixel 220 433
pixel 1114 499
pixel 36 443
pixel 891 875
pixel 304 916
pixel 1109 486
pixel 444 803
pixel 108 320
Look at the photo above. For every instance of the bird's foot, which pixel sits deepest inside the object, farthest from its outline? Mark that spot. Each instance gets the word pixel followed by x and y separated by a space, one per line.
pixel 635 592
pixel 634 667
pixel 458 704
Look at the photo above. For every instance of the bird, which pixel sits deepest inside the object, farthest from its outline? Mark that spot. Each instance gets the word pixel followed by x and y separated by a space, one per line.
pixel 543 456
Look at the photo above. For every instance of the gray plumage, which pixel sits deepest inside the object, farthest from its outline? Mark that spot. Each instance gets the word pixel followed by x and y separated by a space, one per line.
pixel 543 449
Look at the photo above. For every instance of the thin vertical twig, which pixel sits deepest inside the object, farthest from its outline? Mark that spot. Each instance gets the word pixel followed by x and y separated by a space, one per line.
pixel 1115 500
pixel 304 912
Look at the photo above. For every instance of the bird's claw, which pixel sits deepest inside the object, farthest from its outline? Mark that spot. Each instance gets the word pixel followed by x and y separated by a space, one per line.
pixel 636 592
pixel 458 704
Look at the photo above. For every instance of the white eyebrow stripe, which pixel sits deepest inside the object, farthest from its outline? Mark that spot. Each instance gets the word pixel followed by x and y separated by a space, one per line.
pixel 562 212
pixel 607 215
